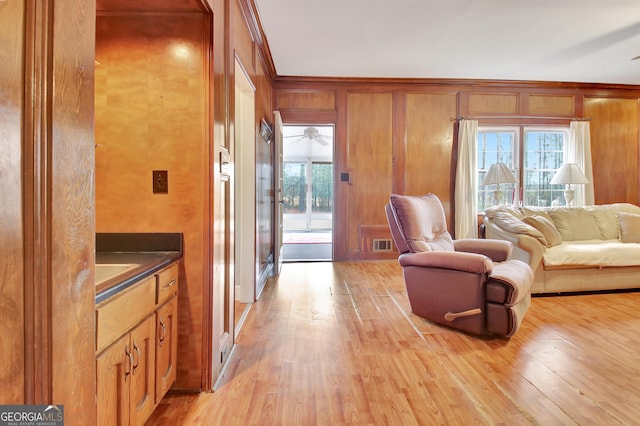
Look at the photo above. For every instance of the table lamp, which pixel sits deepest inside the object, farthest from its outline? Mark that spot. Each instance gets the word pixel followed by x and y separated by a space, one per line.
pixel 498 173
pixel 569 174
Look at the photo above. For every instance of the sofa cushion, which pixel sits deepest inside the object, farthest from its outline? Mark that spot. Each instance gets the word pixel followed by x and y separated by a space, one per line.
pixel 605 216
pixel 510 223
pixel 591 253
pixel 575 223
pixel 629 227
pixel 546 227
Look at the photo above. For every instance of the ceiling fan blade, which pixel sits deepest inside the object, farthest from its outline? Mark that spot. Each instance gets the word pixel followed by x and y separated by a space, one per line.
pixel 295 136
pixel 300 139
pixel 637 57
pixel 322 141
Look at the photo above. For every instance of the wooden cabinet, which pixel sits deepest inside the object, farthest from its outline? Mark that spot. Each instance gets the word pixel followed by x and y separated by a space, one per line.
pixel 136 346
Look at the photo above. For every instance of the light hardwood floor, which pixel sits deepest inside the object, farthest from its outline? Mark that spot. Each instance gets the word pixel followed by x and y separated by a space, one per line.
pixel 336 343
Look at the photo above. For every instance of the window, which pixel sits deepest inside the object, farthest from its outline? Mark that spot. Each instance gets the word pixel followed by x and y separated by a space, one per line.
pixel 534 154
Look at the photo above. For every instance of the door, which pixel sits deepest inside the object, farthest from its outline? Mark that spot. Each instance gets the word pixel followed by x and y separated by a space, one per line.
pixel 166 347
pixel 279 211
pixel 307 192
pixel 113 383
pixel 142 400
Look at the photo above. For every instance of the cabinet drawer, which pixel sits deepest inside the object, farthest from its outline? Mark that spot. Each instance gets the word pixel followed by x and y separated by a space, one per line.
pixel 167 283
pixel 119 314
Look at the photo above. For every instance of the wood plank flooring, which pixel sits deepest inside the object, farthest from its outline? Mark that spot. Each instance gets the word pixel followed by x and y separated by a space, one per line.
pixel 336 343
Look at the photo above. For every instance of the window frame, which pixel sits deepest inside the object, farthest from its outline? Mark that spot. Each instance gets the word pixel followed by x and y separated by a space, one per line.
pixel 518 166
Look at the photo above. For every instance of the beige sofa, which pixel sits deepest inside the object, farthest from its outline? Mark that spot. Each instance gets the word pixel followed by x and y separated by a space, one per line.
pixel 572 249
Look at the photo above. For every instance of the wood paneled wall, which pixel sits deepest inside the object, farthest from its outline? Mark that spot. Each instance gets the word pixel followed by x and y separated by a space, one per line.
pixel 12 277
pixel 369 158
pixel 246 45
pixel 47 215
pixel 614 148
pixel 400 136
pixel 151 114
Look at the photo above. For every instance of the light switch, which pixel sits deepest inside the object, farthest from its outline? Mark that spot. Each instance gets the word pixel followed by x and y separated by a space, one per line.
pixel 160 181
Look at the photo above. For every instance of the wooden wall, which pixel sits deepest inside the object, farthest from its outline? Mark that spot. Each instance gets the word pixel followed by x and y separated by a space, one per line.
pixel 47 214
pixel 399 136
pixel 247 46
pixel 12 277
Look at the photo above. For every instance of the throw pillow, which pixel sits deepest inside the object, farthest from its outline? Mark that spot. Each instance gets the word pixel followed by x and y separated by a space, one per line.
pixel 512 224
pixel 629 227
pixel 546 227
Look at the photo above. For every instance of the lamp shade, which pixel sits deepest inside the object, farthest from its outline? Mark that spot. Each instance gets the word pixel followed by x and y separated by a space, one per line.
pixel 499 173
pixel 569 173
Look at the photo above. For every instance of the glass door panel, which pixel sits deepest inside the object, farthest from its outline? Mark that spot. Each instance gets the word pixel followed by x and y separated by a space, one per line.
pixel 322 187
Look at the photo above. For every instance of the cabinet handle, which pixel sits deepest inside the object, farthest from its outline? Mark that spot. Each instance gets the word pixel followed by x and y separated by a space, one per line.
pixel 127 371
pixel 135 346
pixel 164 332
pixel 169 284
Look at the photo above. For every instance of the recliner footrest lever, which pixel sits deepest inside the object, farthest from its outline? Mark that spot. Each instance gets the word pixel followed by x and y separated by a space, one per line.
pixel 451 316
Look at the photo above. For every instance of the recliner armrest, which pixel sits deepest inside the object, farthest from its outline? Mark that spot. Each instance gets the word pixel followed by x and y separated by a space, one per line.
pixel 496 250
pixel 459 261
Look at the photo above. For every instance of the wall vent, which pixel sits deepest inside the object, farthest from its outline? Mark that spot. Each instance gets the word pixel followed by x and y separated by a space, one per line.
pixel 382 245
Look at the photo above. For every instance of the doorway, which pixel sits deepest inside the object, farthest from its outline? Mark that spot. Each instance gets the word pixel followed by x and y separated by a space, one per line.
pixel 307 193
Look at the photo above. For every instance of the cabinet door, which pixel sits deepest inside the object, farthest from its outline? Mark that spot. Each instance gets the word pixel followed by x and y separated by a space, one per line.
pixel 113 378
pixel 142 372
pixel 166 346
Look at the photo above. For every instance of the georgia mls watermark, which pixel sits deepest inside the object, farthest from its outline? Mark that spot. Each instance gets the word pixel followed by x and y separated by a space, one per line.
pixel 31 415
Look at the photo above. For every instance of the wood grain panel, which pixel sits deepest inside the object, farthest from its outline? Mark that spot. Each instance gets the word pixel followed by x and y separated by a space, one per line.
pixel 220 270
pixel 551 105
pixel 148 6
pixel 369 147
pixel 150 115
pixel 488 103
pixel 117 315
pixel 614 149
pixel 70 194
pixel 12 344
pixel 305 99
pixel 429 146
pixel 242 41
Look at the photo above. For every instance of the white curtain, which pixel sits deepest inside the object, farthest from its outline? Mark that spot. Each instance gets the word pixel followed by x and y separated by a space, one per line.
pixel 466 217
pixel 579 152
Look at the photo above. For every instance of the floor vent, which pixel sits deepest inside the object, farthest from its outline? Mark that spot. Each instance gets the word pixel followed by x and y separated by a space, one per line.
pixel 382 245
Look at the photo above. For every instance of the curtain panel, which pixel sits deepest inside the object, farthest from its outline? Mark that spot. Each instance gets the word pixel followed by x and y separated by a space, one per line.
pixel 466 204
pixel 579 152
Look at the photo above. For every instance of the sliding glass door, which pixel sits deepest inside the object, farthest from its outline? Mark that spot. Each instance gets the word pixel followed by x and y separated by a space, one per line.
pixel 308 194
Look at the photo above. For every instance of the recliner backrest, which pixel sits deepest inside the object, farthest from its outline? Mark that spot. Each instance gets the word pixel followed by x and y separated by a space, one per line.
pixel 421 222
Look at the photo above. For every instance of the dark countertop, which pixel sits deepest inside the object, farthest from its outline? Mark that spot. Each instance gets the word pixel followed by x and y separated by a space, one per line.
pixel 124 259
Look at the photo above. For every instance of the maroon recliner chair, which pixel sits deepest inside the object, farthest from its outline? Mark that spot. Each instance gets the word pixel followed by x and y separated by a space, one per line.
pixel 467 284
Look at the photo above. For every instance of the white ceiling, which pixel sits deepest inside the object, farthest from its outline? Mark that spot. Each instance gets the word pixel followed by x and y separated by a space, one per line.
pixel 590 41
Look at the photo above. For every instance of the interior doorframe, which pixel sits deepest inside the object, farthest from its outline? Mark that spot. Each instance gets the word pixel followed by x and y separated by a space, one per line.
pixel 333 125
pixel 246 256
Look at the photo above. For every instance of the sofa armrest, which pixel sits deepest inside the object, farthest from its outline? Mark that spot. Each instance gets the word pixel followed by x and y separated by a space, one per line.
pixel 525 247
pixel 534 249
pixel 459 261
pixel 496 250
